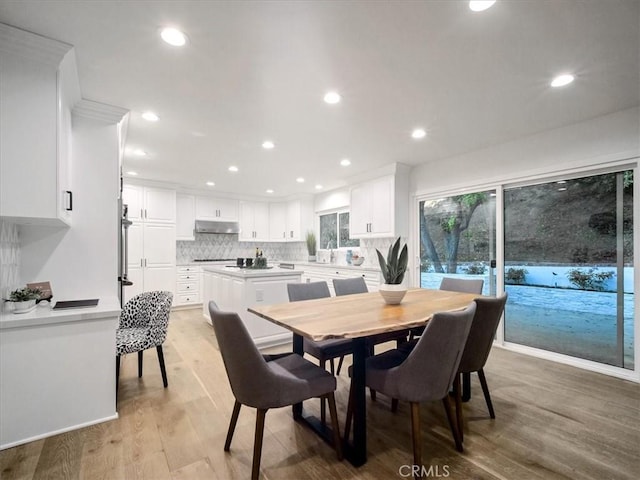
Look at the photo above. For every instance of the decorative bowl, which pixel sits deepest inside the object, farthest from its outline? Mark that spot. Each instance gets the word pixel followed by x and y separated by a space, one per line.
pixel 357 261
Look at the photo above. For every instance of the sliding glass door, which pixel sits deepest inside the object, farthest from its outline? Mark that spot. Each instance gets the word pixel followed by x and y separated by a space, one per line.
pixel 568 251
pixel 458 238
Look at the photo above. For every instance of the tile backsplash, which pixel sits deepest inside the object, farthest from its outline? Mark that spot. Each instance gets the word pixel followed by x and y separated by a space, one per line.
pixel 228 246
pixel 9 258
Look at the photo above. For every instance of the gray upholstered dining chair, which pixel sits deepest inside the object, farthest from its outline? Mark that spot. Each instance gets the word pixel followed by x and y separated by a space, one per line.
pixel 476 351
pixel 265 382
pixel 323 350
pixel 350 286
pixel 453 284
pixel 143 324
pixel 423 374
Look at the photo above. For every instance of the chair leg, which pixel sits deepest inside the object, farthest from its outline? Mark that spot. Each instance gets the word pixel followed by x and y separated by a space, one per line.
pixel 415 434
pixel 332 367
pixel 232 425
pixel 140 363
pixel 257 444
pixel 485 390
pixel 163 370
pixel 452 425
pixel 117 374
pixel 394 405
pixel 337 442
pixel 339 365
pixel 372 392
pixel 458 399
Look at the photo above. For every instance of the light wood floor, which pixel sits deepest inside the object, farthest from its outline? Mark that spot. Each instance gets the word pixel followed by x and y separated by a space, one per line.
pixel 553 422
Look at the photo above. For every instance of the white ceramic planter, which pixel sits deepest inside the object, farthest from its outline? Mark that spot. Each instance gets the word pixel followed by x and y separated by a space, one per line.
pixel 24 307
pixel 392 294
pixel 312 258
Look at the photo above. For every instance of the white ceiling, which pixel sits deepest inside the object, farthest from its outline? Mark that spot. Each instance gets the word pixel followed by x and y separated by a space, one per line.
pixel 258 70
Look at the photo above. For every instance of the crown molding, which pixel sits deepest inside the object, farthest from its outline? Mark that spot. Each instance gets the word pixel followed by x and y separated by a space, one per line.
pixel 99 111
pixel 30 45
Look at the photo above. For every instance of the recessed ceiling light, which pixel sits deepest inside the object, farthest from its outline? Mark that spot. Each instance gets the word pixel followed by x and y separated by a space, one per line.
pixel 233 168
pixel 332 98
pixel 480 5
pixel 133 174
pixel 139 152
pixel 173 36
pixel 318 187
pixel 418 133
pixel 269 190
pixel 562 189
pixel 562 80
pixel 211 184
pixel 268 145
pixel 345 162
pixel 150 117
pixel 300 180
pixel 561 182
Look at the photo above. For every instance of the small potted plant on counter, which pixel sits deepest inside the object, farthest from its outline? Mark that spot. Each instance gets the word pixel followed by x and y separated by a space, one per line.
pixel 393 270
pixel 24 299
pixel 311 245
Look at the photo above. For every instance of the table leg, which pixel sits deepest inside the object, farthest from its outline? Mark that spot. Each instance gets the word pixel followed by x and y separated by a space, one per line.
pixel 357 453
pixel 298 347
pixel 466 387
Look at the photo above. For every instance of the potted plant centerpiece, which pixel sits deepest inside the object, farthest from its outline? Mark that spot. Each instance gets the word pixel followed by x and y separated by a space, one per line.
pixel 393 270
pixel 311 245
pixel 24 299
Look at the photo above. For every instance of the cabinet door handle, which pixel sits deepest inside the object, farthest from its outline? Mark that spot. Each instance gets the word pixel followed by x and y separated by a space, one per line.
pixel 141 213
pixel 145 262
pixel 291 234
pixel 69 206
pixel 141 262
pixel 145 213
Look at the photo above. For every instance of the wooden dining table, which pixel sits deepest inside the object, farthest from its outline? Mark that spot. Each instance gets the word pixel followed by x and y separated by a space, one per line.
pixel 356 317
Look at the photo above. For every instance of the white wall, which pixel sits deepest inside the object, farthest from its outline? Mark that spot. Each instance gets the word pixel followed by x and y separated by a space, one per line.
pixel 81 261
pixel 607 138
pixel 332 200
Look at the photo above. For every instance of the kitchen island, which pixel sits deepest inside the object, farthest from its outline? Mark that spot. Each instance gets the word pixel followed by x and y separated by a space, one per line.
pixel 235 289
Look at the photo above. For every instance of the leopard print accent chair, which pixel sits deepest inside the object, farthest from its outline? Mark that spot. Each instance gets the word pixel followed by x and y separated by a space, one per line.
pixel 144 321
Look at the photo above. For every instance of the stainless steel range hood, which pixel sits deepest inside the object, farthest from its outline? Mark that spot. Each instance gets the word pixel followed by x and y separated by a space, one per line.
pixel 203 226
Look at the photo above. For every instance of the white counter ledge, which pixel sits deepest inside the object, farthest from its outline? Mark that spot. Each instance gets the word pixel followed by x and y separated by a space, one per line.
pixel 45 315
pixel 252 272
pixel 57 370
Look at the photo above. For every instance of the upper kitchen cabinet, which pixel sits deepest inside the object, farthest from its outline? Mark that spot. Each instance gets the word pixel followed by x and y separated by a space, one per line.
pixel 150 204
pixel 289 221
pixel 38 90
pixel 254 222
pixel 216 209
pixel 379 208
pixel 185 217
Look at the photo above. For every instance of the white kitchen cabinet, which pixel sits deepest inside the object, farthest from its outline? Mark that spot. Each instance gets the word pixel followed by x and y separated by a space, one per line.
pixel 278 222
pixel 38 90
pixel 185 217
pixel 289 221
pixel 188 282
pixel 150 204
pixel 254 221
pixel 379 208
pixel 216 209
pixel 152 258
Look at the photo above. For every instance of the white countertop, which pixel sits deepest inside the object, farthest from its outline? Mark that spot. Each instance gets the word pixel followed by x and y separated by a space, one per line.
pixel 336 266
pixel 43 314
pixel 252 272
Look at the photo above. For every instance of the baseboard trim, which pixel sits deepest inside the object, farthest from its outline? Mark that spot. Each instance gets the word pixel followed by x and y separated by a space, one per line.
pixel 57 432
pixel 273 340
